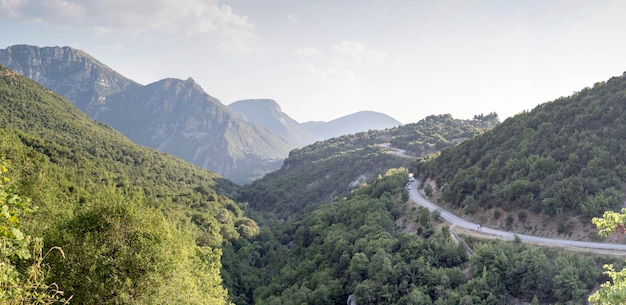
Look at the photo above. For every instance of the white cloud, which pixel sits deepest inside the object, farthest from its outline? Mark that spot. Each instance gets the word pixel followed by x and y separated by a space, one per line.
pixel 206 18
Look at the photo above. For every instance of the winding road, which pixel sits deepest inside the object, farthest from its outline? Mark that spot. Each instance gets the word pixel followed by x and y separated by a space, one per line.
pixel 460 222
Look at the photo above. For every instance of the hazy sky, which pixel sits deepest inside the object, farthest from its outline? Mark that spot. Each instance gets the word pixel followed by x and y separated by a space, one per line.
pixel 327 58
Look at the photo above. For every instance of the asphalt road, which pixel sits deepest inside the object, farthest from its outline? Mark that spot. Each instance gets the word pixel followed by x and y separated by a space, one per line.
pixel 460 222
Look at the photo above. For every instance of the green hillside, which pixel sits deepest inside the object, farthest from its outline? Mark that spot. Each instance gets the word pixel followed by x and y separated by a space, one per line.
pixel 136 226
pixel 361 247
pixel 327 169
pixel 564 158
pixel 323 242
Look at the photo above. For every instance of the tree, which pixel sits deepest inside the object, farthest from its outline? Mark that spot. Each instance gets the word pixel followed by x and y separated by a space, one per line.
pixel 121 252
pixel 613 291
pixel 19 285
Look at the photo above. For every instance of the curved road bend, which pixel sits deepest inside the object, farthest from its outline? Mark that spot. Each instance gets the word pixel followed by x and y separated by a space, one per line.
pixel 457 221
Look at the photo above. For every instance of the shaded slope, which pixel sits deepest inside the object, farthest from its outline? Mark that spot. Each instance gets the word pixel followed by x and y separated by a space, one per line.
pixel 178 117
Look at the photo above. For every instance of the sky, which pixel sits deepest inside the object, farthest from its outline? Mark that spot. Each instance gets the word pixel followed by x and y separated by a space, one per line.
pixel 320 60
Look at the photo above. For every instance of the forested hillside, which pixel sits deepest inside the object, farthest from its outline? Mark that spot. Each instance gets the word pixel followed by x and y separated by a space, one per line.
pixel 326 169
pixel 360 248
pixel 136 226
pixel 436 132
pixel 564 158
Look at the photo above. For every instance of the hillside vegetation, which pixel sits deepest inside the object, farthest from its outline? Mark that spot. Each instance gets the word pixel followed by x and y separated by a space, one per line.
pixel 327 169
pixel 565 157
pixel 129 225
pixel 135 225
pixel 358 248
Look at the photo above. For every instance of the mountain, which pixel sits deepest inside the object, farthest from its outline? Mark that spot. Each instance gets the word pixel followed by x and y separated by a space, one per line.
pixel 178 117
pixel 267 113
pixel 333 168
pixel 74 74
pixel 136 226
pixel 343 232
pixel 170 115
pixel 349 124
pixel 562 161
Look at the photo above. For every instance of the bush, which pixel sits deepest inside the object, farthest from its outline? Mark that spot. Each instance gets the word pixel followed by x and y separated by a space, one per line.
pixel 509 220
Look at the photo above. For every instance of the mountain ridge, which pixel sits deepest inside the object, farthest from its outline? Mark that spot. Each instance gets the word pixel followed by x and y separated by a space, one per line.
pixel 73 73
pixel 351 123
pixel 267 113
pixel 204 131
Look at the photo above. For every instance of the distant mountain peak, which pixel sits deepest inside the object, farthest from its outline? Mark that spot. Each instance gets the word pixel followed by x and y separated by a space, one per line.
pixel 352 123
pixel 265 103
pixel 172 115
pixel 268 114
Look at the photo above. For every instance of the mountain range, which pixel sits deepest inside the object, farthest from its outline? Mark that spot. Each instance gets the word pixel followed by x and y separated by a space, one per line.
pixel 267 113
pixel 242 142
pixel 137 226
pixel 352 123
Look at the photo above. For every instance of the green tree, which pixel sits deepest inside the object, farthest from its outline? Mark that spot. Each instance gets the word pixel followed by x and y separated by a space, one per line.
pixel 22 274
pixel 613 291
pixel 121 252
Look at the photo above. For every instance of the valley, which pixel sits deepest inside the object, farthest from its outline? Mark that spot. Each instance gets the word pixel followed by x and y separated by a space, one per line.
pixel 328 223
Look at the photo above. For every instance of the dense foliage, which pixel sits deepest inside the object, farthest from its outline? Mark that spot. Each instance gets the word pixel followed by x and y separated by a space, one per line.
pixel 612 291
pixel 22 270
pixel 563 156
pixel 327 169
pixel 356 247
pixel 436 132
pixel 139 227
pixel 136 226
